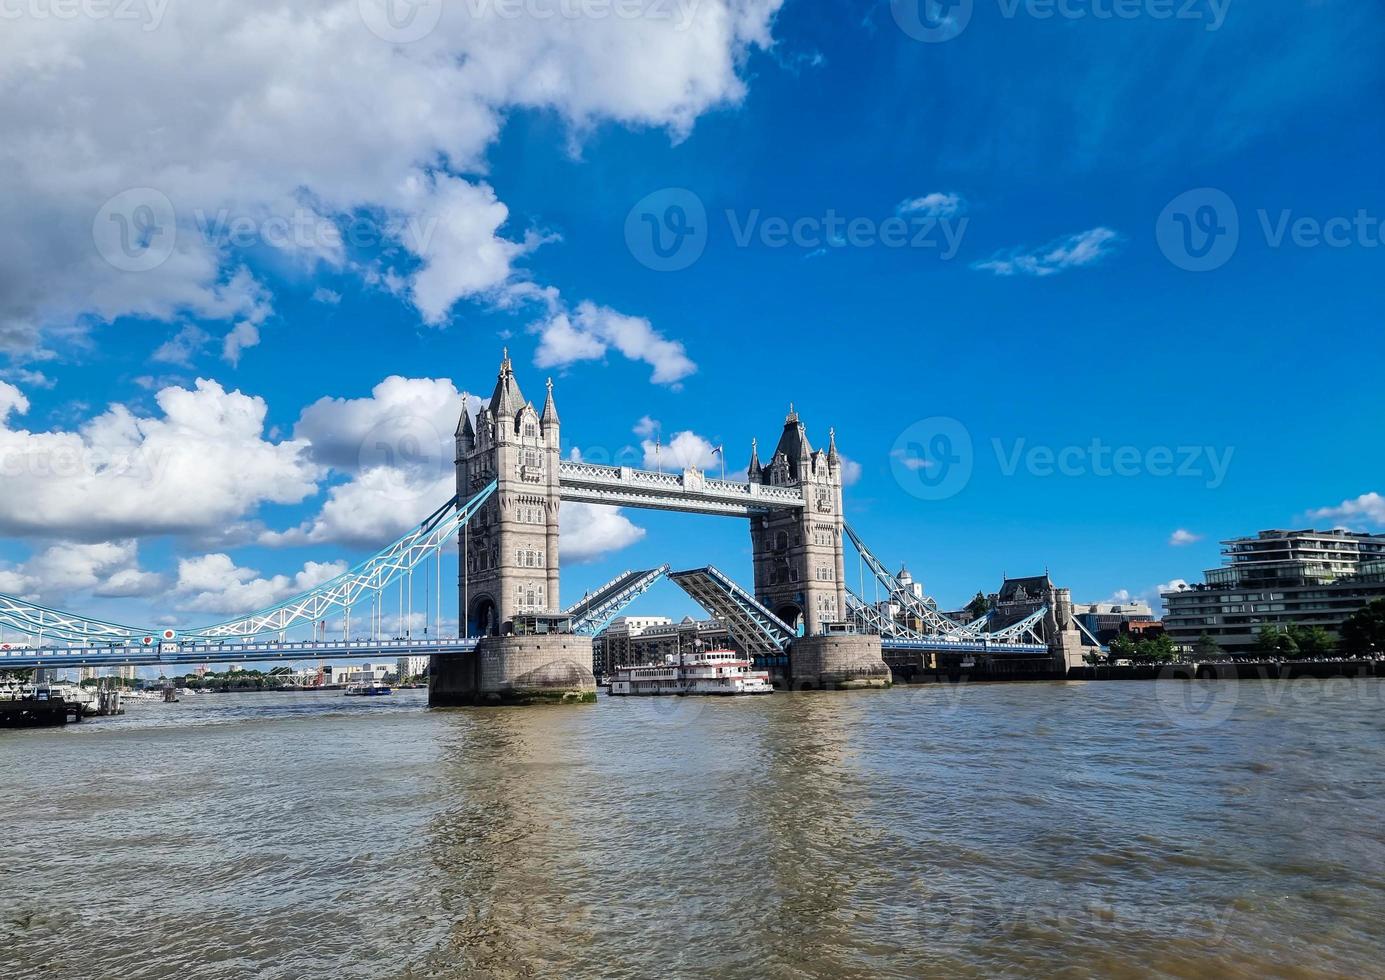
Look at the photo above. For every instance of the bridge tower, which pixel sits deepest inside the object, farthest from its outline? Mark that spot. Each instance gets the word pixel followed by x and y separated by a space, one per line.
pixel 509 555
pixel 799 571
pixel 510 550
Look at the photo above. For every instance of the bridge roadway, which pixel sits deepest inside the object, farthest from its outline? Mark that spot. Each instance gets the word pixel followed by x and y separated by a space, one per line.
pixel 141 655
pixel 60 658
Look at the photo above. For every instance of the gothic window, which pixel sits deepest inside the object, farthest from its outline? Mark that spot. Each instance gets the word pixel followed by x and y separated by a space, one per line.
pixel 781 541
pixel 529 429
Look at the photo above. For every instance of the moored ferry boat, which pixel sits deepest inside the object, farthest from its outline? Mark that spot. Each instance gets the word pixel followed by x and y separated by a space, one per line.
pixel 723 672
pixel 367 690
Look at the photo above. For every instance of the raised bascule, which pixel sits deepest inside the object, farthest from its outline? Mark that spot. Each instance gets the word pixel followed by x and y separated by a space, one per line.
pixel 520 645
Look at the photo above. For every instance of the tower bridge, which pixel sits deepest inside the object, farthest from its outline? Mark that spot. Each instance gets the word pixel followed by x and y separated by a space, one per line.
pixel 520 644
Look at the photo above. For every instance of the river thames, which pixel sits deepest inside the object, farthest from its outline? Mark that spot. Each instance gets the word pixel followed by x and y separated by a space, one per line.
pixel 1099 829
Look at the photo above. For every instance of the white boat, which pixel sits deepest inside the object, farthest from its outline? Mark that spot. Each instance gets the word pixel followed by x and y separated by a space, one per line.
pixel 723 672
pixel 368 689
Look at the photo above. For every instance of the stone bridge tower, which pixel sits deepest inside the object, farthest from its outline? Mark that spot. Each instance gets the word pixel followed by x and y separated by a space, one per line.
pixel 510 551
pixel 799 571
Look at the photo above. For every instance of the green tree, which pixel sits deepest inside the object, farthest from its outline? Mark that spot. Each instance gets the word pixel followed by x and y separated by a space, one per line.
pixel 1206 647
pixel 1124 647
pixel 1267 640
pixel 1363 634
pixel 978 606
pixel 1308 641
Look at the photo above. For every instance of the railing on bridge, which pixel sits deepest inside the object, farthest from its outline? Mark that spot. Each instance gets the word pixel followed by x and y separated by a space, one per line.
pixel 690 491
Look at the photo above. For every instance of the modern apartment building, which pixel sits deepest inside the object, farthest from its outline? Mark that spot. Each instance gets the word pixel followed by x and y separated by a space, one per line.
pixel 1308 578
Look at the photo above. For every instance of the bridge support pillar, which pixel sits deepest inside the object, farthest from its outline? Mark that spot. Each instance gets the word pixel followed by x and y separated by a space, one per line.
pixel 838 661
pixel 515 670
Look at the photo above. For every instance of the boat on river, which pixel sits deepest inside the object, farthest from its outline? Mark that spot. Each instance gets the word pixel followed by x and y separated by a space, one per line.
pixel 369 689
pixel 712 672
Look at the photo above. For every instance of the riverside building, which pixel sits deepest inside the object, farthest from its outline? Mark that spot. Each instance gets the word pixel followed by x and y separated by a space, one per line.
pixel 1308 578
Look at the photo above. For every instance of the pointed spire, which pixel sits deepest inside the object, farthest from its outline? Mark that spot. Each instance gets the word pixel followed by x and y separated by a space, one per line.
pixel 754 468
pixel 464 429
pixel 832 456
pixel 507 398
pixel 550 410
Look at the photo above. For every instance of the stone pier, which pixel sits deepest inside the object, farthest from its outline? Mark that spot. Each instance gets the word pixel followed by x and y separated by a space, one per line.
pixel 512 670
pixel 837 662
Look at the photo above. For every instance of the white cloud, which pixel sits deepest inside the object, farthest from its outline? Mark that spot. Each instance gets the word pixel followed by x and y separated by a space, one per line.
pixel 263 111
pixel 686 450
pixel 330 297
pixel 106 568
pixel 1183 537
pixel 589 530
pixel 1365 510
pixel 1075 251
pixel 396 446
pixel 646 426
pixel 851 471
pixel 215 584
pixel 242 336
pixel 938 204
pixel 587 333
pixel 202 463
pixel 182 347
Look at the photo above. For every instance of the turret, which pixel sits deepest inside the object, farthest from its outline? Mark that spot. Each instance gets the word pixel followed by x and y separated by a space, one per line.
pixel 754 468
pixel 549 418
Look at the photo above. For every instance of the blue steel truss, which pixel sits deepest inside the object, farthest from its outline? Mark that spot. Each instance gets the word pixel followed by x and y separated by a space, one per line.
pixel 370 576
pixel 934 622
pixel 596 610
pixel 757 629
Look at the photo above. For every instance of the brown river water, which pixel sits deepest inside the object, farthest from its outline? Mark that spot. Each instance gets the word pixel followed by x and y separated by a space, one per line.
pixel 1118 829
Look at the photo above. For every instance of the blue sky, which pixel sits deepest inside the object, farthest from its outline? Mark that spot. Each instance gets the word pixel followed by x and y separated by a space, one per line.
pixel 1042 305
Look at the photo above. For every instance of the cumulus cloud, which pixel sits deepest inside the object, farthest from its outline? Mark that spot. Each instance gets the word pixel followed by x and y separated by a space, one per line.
pixel 203 461
pixel 686 450
pixel 1183 537
pixel 1365 510
pixel 396 449
pixel 938 204
pixel 851 471
pixel 262 128
pixel 590 530
pixel 215 584
pixel 587 333
pixel 107 568
pixel 1073 252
